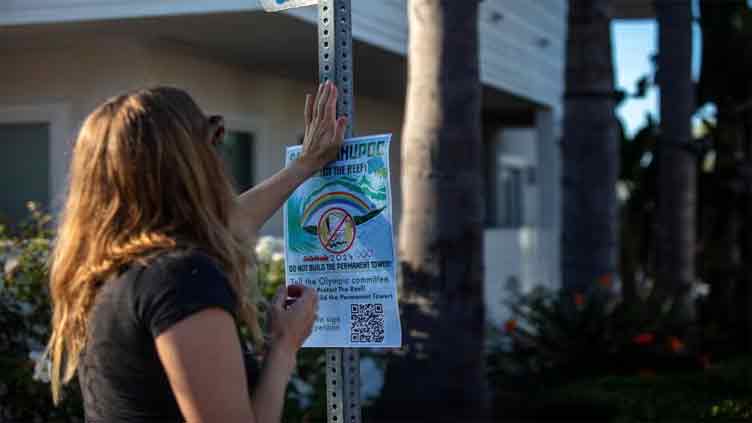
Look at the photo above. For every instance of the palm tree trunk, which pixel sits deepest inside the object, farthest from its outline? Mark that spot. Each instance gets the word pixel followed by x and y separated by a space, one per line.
pixel 590 151
pixel 746 306
pixel 440 369
pixel 677 167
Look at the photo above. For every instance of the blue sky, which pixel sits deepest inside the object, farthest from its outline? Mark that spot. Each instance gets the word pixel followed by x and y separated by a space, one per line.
pixel 634 42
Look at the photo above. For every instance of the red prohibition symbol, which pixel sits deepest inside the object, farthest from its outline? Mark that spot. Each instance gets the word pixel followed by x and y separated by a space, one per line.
pixel 336 230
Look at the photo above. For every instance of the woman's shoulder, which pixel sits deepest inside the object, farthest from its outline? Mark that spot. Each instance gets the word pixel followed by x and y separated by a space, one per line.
pixel 170 265
pixel 178 283
pixel 184 266
pixel 177 258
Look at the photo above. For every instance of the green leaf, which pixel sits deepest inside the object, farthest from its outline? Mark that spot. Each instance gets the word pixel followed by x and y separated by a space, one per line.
pixel 312 229
pixel 368 216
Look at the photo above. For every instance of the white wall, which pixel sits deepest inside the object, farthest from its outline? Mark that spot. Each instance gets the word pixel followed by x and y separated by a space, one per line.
pixel 509 254
pixel 548 127
pixel 83 73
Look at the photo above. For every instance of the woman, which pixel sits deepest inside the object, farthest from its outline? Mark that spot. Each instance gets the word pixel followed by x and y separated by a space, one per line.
pixel 149 270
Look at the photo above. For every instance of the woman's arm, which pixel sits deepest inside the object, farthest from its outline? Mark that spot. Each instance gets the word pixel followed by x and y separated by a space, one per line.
pixel 203 361
pixel 256 206
pixel 204 364
pixel 321 141
pixel 288 329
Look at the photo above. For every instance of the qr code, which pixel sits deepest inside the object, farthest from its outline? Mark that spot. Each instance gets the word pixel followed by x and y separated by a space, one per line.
pixel 367 323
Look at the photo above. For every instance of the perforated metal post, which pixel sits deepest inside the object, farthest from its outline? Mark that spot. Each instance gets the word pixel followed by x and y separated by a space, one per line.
pixel 335 64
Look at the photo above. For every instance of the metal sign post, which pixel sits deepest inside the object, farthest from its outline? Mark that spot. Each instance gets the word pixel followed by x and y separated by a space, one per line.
pixel 335 64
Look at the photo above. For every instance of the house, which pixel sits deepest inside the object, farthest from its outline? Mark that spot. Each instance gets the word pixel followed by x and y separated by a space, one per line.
pixel 60 58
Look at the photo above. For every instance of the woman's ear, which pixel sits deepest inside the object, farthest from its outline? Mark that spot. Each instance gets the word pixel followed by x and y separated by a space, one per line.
pixel 216 130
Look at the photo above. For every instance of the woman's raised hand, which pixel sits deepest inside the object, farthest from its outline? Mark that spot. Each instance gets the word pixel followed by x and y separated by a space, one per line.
pixel 324 132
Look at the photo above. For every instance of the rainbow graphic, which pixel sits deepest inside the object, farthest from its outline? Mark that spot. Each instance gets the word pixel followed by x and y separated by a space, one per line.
pixel 339 198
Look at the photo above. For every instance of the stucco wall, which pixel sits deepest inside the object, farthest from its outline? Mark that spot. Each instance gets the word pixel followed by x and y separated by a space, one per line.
pixel 511 266
pixel 79 74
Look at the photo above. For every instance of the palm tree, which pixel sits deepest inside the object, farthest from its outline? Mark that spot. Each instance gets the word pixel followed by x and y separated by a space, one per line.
pixel 590 150
pixel 440 370
pixel 726 258
pixel 677 167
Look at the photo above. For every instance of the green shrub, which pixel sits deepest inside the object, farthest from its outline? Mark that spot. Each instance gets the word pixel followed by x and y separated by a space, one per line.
pixel 555 338
pixel 24 327
pixel 592 357
pixel 721 392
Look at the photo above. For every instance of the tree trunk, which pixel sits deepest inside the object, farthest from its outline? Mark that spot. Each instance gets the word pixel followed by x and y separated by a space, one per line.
pixel 723 261
pixel 746 302
pixel 629 253
pixel 439 372
pixel 677 167
pixel 590 151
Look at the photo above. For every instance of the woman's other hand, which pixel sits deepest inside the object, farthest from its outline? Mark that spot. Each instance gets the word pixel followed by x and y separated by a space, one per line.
pixel 324 132
pixel 290 325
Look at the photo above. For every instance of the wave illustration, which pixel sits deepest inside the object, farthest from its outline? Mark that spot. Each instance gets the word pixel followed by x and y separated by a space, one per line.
pixel 298 240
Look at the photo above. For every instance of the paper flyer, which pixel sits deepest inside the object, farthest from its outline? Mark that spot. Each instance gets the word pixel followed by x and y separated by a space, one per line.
pixel 339 239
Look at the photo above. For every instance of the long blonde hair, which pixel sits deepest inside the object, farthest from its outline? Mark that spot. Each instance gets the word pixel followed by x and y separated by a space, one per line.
pixel 144 178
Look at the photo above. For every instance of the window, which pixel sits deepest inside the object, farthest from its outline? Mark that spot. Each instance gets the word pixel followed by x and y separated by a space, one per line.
pixel 512 193
pixel 237 153
pixel 24 169
pixel 509 197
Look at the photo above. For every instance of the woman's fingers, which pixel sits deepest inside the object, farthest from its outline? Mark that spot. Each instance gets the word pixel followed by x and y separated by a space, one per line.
pixel 314 107
pixel 339 133
pixel 331 106
pixel 306 298
pixel 315 305
pixel 301 293
pixel 312 296
pixel 324 131
pixel 295 291
pixel 308 111
pixel 323 101
pixel 279 297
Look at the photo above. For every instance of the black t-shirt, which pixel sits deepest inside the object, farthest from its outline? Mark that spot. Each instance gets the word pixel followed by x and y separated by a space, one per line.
pixel 121 376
